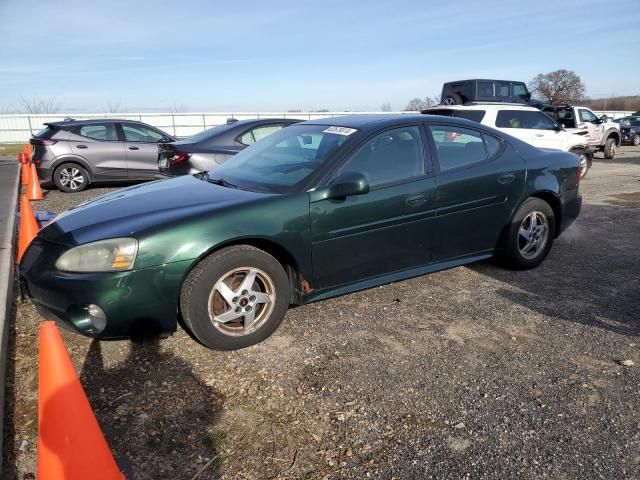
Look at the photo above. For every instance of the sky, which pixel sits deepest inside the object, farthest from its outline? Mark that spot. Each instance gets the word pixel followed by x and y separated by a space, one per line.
pixel 278 55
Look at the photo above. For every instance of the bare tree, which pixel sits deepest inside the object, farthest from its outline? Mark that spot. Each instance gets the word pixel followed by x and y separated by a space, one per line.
pixel 115 107
pixel 176 107
pixel 559 86
pixel 40 105
pixel 417 104
pixel 385 107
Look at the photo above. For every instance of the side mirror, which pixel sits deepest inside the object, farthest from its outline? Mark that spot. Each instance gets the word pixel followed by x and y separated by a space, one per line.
pixel 604 118
pixel 557 127
pixel 347 184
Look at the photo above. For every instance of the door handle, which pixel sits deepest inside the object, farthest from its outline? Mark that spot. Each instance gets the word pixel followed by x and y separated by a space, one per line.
pixel 417 199
pixel 539 134
pixel 81 146
pixel 506 178
pixel 133 147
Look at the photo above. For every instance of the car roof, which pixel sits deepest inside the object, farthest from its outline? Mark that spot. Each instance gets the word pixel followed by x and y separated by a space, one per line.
pixel 367 120
pixel 72 122
pixel 483 106
pixel 483 80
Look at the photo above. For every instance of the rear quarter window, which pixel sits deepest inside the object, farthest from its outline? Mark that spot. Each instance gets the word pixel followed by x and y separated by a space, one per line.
pixel 46 133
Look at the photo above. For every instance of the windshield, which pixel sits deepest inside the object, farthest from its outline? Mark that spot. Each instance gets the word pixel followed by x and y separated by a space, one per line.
pixel 285 160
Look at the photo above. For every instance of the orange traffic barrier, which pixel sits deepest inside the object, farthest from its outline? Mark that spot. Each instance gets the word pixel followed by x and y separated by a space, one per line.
pixel 34 192
pixel 26 148
pixel 24 168
pixel 28 226
pixel 71 445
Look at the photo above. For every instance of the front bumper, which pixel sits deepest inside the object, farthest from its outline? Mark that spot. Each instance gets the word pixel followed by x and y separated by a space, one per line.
pixel 137 302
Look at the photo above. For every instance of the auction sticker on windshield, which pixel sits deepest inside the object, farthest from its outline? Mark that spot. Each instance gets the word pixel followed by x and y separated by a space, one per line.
pixel 340 130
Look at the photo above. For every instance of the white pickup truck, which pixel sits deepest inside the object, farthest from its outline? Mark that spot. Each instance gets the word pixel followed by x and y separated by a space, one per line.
pixel 600 134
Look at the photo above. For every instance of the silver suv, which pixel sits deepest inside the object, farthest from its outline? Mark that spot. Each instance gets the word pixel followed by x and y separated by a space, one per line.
pixel 74 153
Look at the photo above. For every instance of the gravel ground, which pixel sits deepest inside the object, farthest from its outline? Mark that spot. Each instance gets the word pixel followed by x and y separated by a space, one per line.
pixel 474 372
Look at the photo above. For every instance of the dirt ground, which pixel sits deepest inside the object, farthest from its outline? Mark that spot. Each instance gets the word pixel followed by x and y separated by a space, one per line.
pixel 474 372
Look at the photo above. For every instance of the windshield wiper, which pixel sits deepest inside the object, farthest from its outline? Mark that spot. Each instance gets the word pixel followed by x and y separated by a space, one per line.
pixel 222 182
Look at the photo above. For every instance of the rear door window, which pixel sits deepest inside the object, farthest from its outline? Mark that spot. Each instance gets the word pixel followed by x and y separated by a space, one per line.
pixel 258 133
pixel 502 89
pixel 140 133
pixel 511 119
pixel 98 131
pixel 457 146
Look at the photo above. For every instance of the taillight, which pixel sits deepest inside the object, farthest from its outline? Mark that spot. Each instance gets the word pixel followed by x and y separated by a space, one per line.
pixel 40 141
pixel 178 157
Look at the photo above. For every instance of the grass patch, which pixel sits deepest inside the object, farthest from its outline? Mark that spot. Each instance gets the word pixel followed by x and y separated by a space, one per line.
pixel 10 148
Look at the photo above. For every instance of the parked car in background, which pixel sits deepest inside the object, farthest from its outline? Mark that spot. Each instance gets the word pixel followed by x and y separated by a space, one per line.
pixel 619 120
pixel 482 90
pixel 600 134
pixel 315 210
pixel 75 153
pixel 210 148
pixel 524 122
pixel 630 130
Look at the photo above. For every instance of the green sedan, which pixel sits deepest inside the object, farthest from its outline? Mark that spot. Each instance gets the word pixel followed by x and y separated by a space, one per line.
pixel 318 209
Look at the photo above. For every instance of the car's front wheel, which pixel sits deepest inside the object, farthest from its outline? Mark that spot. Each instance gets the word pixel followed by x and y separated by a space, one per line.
pixel 70 177
pixel 610 148
pixel 636 140
pixel 530 235
pixel 235 298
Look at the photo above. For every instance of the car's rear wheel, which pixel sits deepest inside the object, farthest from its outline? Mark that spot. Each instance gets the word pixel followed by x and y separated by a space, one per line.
pixel 610 148
pixel 530 235
pixel 235 298
pixel 452 99
pixel 636 140
pixel 71 177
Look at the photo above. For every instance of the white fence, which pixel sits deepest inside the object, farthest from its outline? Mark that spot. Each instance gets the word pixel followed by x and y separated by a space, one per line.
pixel 19 128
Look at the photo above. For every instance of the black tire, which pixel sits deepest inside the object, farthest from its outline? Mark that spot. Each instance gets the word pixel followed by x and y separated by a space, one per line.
pixel 452 99
pixel 70 178
pixel 200 297
pixel 635 141
pixel 610 148
pixel 513 255
pixel 585 160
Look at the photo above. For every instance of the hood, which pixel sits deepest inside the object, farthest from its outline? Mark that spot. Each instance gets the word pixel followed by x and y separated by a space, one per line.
pixel 132 211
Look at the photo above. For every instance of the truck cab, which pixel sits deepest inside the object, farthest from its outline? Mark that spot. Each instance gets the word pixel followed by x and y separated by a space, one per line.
pixel 600 134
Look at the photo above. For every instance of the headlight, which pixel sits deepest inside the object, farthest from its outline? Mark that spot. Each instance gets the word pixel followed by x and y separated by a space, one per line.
pixel 115 254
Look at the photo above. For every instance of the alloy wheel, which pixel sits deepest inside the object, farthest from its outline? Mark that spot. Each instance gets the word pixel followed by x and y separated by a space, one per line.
pixel 533 234
pixel 584 165
pixel 241 301
pixel 71 178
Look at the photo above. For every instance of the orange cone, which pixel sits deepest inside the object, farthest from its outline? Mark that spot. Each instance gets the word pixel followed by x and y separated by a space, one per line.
pixel 24 169
pixel 34 192
pixel 28 226
pixel 71 445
